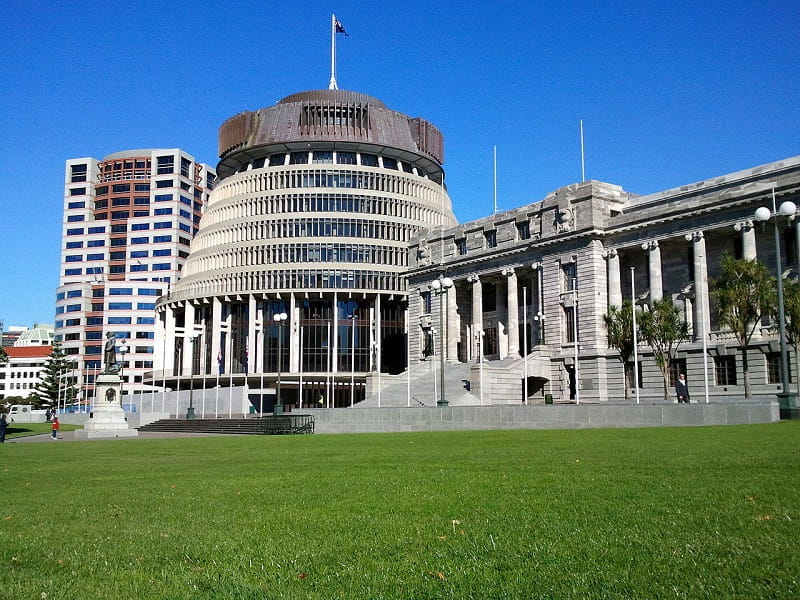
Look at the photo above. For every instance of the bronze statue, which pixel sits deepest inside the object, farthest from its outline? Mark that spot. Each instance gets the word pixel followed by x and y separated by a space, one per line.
pixel 110 354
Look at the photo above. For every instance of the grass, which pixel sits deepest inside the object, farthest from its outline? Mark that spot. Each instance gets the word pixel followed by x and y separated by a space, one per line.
pixel 708 512
pixel 17 430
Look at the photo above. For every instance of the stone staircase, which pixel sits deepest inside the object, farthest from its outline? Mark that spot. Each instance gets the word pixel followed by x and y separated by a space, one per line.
pixel 394 392
pixel 220 426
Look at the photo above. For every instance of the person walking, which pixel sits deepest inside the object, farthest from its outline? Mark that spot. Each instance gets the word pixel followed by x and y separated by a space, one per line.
pixel 55 425
pixel 3 425
pixel 682 390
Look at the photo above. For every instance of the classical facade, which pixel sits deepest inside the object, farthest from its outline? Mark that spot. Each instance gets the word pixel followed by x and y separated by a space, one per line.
pixel 531 286
pixel 128 221
pixel 317 200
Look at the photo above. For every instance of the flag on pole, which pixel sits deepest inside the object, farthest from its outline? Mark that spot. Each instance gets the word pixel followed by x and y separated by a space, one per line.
pixel 339 27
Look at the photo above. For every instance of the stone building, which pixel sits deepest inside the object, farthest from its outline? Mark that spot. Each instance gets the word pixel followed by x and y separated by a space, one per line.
pixel 316 201
pixel 531 287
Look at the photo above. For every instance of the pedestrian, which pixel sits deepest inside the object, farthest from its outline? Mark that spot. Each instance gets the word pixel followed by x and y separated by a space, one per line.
pixel 48 414
pixel 55 425
pixel 682 390
pixel 3 425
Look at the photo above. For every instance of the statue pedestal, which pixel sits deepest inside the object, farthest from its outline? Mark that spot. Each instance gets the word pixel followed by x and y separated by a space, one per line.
pixel 107 419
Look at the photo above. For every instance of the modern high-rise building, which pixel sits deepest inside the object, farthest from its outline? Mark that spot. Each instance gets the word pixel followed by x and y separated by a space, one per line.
pixel 317 199
pixel 128 222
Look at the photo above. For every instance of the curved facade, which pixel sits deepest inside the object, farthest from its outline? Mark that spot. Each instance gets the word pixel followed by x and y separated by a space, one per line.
pixel 316 201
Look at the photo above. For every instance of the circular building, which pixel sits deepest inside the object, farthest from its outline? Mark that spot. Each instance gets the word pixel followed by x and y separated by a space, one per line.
pixel 316 200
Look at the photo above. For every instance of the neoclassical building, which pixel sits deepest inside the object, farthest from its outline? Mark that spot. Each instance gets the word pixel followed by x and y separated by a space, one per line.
pixel 531 286
pixel 316 201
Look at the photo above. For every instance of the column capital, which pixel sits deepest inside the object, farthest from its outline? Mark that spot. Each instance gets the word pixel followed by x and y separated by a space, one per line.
pixel 509 271
pixel 474 278
pixel 745 225
pixel 694 236
pixel 536 265
pixel 650 245
pixel 610 253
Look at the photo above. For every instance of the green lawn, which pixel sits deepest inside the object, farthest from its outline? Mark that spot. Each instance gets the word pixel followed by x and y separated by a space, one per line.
pixel 704 512
pixel 16 430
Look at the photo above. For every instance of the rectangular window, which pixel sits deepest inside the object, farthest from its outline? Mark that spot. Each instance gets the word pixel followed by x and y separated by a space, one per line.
pixel 77 191
pixel 72 271
pixel 101 190
pixel 158 239
pixel 94 335
pixel 120 305
pixel 162 211
pixel 491 238
pixel 120 291
pixel 165 165
pixel 569 324
pixel 141 187
pixel 80 204
pixel 119 320
pixel 774 368
pixel 369 160
pixel 75 218
pixel 162 252
pixel 117 269
pixel 163 197
pixel 569 276
pixel 140 240
pixel 121 188
pixel 145 320
pixel 725 370
pixel 164 183
pixel 161 267
pixel 78 231
pixel 100 256
pixel 95 243
pixel 142 201
pixel 185 214
pixel 120 201
pixel 116 256
pixel 524 230
pixel 73 245
pixel 298 158
pixel 139 254
pixel 186 201
pixel 186 165
pixel 461 246
pixel 138 268
pixel 74 258
pixel 94 321
pixel 97 229
pixel 426 302
pixel 148 292
pixel 162 225
pixel 120 214
pixel 140 226
pixel 146 306
pixel 78 173
pixel 118 242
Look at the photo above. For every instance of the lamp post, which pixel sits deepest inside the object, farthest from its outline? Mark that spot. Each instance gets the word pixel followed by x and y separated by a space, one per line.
pixel 353 318
pixel 786 398
pixel 123 350
pixel 190 411
pixel 280 319
pixel 439 287
pixel 479 337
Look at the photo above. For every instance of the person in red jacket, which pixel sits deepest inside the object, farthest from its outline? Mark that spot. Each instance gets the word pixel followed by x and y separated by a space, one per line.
pixel 55 425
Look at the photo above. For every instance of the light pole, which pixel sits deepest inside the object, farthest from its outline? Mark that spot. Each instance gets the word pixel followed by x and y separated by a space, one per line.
pixel 259 328
pixel 190 411
pixel 123 350
pixel 353 318
pixel 280 319
pixel 439 287
pixel 479 337
pixel 786 399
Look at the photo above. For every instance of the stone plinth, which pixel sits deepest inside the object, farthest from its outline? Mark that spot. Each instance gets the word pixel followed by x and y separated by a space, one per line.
pixel 107 419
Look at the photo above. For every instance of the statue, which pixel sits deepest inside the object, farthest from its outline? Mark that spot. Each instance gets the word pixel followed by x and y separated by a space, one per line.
pixel 110 354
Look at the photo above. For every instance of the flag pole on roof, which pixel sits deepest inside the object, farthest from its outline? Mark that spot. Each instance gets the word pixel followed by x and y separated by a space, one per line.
pixel 336 27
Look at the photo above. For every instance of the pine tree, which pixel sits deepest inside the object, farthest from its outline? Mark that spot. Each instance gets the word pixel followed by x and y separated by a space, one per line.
pixel 56 381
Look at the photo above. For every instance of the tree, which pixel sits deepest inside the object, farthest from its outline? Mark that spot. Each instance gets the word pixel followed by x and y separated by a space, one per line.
pixel 619 325
pixel 3 356
pixel 664 330
pixel 744 293
pixel 55 380
pixel 791 310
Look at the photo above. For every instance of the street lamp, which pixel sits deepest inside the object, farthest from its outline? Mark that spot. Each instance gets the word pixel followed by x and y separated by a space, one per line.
pixel 190 411
pixel 479 337
pixel 123 350
pixel 280 319
pixel 786 399
pixel 439 287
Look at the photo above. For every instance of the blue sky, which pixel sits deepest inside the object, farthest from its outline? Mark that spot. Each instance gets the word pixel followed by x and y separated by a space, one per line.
pixel 669 93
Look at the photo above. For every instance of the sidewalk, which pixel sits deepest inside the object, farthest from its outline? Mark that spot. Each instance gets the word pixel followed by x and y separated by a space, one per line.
pixel 69 436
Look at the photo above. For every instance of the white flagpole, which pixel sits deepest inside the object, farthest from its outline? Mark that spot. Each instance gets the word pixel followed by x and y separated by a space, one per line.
pixel 332 85
pixel 583 164
pixel 525 340
pixel 494 177
pixel 635 341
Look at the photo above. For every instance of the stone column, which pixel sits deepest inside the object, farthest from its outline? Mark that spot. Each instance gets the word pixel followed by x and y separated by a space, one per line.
pixel 614 278
pixel 375 335
pixel 477 313
pixel 654 264
pixel 452 324
pixel 512 312
pixel 252 334
pixel 748 238
pixel 334 342
pixel 188 316
pixel 501 313
pixel 216 329
pixel 701 303
pixel 169 331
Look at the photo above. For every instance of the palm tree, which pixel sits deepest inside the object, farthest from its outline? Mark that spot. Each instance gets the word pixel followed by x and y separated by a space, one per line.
pixel 664 330
pixel 791 310
pixel 744 293
pixel 619 325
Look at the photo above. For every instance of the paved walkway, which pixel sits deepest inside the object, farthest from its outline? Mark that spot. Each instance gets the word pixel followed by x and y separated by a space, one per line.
pixel 69 436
